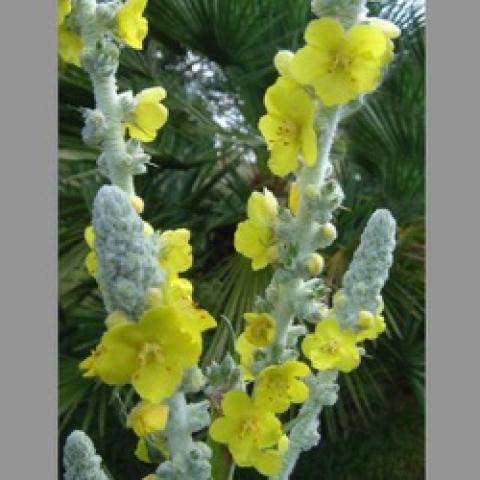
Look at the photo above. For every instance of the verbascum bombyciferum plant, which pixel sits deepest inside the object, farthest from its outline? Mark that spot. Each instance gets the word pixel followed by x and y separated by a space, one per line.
pixel 296 341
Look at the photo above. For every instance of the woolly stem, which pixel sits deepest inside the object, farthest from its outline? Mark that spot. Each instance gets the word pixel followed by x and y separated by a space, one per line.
pixel 304 227
pixel 179 438
pixel 107 101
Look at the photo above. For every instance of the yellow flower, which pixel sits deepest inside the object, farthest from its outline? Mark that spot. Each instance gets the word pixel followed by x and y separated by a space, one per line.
pixel 132 27
pixel 70 45
pixel 148 116
pixel 370 326
pixel 151 476
pixel 260 329
pixel 245 350
pixel 278 386
pixel 175 251
pixel 147 417
pixel 259 332
pixel 64 7
pixel 293 197
pixel 340 65
pixel 251 432
pixel 151 354
pixel 391 32
pixel 331 347
pixel 254 237
pixel 288 126
pixel 174 290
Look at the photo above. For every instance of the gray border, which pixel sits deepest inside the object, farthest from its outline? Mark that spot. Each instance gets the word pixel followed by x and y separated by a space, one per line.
pixel 28 204
pixel 28 359
pixel 453 249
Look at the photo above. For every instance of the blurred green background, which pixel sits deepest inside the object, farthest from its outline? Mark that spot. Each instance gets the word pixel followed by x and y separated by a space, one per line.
pixel 214 57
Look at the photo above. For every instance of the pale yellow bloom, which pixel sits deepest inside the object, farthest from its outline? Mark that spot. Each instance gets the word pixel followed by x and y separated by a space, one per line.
pixel 148 116
pixel 254 237
pixel 278 386
pixel 331 347
pixel 252 433
pixel 340 65
pixel 132 27
pixel 175 251
pixel 288 126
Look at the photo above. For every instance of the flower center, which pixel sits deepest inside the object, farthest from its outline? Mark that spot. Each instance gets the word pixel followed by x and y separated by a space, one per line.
pixel 259 330
pixel 286 132
pixel 149 353
pixel 339 61
pixel 248 427
pixel 330 347
pixel 278 382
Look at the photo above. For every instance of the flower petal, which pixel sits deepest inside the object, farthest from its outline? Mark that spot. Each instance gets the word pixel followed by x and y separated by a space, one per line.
pixel 309 145
pixel 284 159
pixel 235 403
pixel 157 379
pixel 267 463
pixel 221 430
pixel 326 33
pixel 151 95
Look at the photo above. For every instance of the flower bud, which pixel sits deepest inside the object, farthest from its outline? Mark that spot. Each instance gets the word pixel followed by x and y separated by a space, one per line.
pixel 282 62
pixel 137 203
pixel 315 264
pixel 328 232
pixel 366 319
pixel 148 230
pixel 339 299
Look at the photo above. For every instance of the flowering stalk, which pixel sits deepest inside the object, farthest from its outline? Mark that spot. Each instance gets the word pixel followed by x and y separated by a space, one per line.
pixel 120 160
pixel 343 59
pixel 153 339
